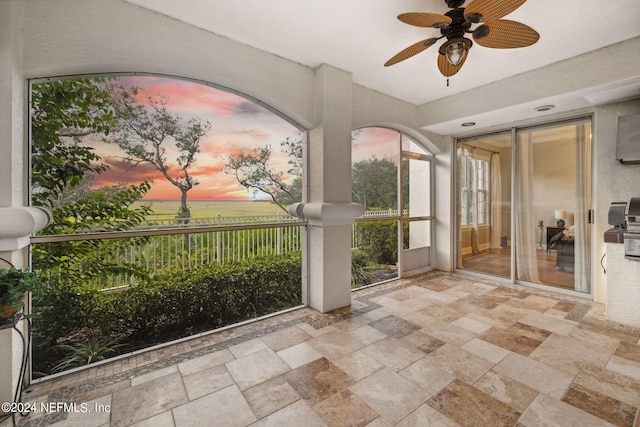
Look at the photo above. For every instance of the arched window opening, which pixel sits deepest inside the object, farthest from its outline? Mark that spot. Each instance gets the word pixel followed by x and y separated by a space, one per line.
pixel 167 196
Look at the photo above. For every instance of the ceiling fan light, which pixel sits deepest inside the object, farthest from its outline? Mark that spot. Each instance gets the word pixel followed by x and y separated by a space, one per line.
pixel 456 53
pixel 455 50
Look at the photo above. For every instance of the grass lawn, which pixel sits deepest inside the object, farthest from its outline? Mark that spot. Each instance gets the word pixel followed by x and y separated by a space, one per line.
pixel 210 208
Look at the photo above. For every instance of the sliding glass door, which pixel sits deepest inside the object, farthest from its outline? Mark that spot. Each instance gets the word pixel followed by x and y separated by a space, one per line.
pixel 537 230
pixel 552 199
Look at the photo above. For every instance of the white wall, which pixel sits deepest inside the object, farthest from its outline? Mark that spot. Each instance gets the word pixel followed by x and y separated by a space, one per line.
pixel 75 37
pixel 12 183
pixel 371 108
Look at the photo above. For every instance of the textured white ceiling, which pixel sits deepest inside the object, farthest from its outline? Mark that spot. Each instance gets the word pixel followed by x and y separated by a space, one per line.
pixel 359 36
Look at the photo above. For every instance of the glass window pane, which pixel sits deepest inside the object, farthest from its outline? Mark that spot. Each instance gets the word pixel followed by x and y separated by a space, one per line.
pixel 416 192
pixel 419 234
pixel 554 164
pixel 409 144
pixel 375 158
pixel 484 210
pixel 374 256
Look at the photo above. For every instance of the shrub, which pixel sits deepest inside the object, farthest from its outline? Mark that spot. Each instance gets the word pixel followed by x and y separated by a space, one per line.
pixel 165 308
pixel 84 354
pixel 379 240
pixel 360 274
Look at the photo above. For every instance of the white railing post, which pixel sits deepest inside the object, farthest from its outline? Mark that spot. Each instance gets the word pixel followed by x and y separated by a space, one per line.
pixel 279 237
pixel 218 243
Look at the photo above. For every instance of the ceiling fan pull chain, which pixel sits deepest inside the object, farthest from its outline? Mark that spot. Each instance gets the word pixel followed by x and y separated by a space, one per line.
pixel 447 81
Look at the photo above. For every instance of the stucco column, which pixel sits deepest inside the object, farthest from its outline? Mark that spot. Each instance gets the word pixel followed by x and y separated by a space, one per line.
pixel 12 163
pixel 330 211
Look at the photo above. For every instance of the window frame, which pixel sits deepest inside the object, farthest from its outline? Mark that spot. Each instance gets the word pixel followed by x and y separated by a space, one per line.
pixel 474 181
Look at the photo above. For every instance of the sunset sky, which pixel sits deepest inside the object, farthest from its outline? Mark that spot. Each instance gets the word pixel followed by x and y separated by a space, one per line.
pixel 236 124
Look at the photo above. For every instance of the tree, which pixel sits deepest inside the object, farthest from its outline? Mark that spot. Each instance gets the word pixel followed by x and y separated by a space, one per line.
pixel 145 133
pixel 374 180
pixel 375 183
pixel 252 169
pixel 63 114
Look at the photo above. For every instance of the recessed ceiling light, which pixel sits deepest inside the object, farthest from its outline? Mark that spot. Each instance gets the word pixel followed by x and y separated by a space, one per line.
pixel 468 124
pixel 544 108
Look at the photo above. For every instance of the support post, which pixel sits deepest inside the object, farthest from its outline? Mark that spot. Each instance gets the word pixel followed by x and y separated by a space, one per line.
pixel 330 211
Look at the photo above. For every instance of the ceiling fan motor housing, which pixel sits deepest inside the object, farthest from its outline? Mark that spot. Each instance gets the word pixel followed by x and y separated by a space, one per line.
pixel 459 25
pixel 454 3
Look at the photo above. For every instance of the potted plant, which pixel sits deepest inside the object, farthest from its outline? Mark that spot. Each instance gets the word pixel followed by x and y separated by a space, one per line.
pixel 14 284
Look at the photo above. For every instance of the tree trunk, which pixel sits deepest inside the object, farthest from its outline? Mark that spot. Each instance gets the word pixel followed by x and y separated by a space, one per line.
pixel 185 213
pixel 185 218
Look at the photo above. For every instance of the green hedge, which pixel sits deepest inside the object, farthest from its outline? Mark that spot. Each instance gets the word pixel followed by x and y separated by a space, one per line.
pixel 202 298
pixel 379 240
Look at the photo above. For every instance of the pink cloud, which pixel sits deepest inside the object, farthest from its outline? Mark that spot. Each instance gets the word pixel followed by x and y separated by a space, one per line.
pixel 375 141
pixel 121 171
pixel 238 125
pixel 193 98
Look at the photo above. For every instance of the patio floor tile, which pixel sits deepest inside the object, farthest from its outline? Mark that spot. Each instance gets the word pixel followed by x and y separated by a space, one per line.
pixel 225 407
pixel 390 394
pixel 147 399
pixel 256 368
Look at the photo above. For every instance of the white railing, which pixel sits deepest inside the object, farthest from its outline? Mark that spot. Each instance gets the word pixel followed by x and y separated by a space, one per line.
pixel 232 245
pixel 168 222
pixel 383 213
pixel 178 252
pixel 169 245
pixel 155 223
pixel 158 223
pixel 164 250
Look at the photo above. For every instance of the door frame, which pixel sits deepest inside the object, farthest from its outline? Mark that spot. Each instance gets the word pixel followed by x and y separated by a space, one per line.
pixel 402 272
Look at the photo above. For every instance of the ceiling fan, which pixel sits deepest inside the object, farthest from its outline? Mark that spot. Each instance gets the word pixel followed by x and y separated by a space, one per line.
pixel 455 24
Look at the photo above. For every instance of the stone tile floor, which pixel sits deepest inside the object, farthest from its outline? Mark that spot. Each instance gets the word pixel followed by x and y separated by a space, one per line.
pixel 435 350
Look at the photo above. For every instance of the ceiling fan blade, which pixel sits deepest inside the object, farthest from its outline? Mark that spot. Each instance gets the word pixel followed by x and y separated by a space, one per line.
pixel 446 68
pixel 505 34
pixel 492 9
pixel 423 19
pixel 411 50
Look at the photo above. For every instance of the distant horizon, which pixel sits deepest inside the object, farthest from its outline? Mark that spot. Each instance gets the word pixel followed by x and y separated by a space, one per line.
pixel 209 208
pixel 209 200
